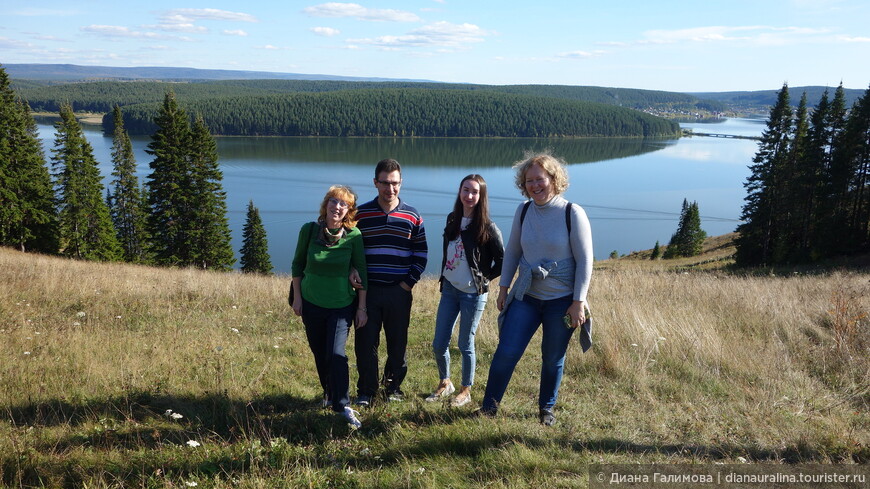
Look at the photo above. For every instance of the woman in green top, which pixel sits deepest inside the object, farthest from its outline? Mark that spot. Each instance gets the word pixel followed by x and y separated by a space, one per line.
pixel 325 252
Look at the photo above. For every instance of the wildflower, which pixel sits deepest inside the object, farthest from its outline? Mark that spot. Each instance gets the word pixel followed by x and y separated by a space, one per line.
pixel 275 346
pixel 117 317
pixel 661 338
pixel 191 484
pixel 234 330
pixel 76 323
pixel 81 314
pixel 192 443
pixel 27 353
pixel 235 307
pixel 176 416
pixel 168 412
pixel 634 344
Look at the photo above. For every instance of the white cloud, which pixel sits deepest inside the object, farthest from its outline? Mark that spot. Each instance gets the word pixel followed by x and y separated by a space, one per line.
pixel 237 32
pixel 189 15
pixel 179 27
pixel 853 39
pixel 439 34
pixel 754 34
pixel 43 12
pixel 6 43
pixel 580 54
pixel 325 31
pixel 116 31
pixel 270 47
pixel 357 11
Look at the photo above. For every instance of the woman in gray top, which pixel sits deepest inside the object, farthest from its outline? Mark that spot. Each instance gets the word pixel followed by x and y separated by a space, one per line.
pixel 551 246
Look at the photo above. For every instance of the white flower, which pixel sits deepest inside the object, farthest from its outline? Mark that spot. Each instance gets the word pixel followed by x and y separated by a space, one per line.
pixel 27 353
pixel 175 416
pixel 235 307
pixel 634 344
pixel 81 314
pixel 168 412
pixel 117 317
pixel 191 484
pixel 741 460
pixel 192 443
pixel 76 323
pixel 275 346
pixel 234 330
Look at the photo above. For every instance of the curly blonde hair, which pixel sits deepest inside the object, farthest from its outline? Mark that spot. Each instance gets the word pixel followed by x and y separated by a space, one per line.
pixel 346 194
pixel 555 168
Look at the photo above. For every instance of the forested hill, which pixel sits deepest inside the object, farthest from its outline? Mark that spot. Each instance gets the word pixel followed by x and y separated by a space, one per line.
pixel 406 112
pixel 225 104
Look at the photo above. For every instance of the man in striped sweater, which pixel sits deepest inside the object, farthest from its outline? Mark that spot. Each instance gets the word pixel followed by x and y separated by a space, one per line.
pixel 396 254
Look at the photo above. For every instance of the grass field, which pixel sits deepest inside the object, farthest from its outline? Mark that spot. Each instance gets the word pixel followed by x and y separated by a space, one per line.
pixel 689 366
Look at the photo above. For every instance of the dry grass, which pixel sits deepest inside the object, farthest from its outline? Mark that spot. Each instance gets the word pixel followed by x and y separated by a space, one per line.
pixel 687 367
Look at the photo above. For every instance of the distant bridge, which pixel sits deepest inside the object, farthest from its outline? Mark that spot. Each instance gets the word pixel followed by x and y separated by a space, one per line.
pixel 715 135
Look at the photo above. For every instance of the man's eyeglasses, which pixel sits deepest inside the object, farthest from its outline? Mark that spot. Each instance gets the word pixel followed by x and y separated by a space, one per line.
pixel 389 184
pixel 338 203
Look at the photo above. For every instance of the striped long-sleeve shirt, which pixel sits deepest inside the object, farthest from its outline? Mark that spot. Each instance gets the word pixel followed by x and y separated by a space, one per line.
pixel 395 243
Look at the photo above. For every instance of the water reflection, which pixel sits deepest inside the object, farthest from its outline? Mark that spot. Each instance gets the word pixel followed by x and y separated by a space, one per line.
pixel 433 152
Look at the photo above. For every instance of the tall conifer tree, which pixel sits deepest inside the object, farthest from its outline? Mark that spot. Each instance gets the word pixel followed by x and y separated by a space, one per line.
pixel 28 218
pixel 210 232
pixel 125 203
pixel 761 229
pixel 168 185
pixel 86 230
pixel 255 247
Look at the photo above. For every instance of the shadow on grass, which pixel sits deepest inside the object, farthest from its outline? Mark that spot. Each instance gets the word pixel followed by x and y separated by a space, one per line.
pixel 276 432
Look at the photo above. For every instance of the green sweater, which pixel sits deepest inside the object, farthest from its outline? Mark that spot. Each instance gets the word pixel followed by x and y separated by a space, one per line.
pixel 325 270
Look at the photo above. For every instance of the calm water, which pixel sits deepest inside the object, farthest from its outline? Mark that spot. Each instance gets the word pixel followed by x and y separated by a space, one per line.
pixel 632 190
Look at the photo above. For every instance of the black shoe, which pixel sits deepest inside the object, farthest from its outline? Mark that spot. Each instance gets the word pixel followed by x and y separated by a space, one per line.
pixel 547 417
pixel 396 395
pixel 483 413
pixel 363 400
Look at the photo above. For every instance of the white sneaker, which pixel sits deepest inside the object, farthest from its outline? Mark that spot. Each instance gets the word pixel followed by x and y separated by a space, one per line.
pixel 441 393
pixel 461 400
pixel 351 416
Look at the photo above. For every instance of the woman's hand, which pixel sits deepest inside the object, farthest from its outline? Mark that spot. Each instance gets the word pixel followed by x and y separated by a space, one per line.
pixel 577 311
pixel 297 305
pixel 361 318
pixel 502 297
pixel 355 280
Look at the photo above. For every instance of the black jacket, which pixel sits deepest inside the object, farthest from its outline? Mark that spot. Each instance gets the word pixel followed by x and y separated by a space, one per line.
pixel 485 261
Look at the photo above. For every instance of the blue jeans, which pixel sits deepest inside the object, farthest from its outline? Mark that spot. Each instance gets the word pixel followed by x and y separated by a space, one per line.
pixel 520 324
pixel 327 331
pixel 469 307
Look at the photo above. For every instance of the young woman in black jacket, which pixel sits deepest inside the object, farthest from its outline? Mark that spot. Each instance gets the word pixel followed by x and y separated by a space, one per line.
pixel 473 252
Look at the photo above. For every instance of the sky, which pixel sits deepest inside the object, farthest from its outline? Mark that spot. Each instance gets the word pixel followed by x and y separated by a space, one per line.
pixel 672 45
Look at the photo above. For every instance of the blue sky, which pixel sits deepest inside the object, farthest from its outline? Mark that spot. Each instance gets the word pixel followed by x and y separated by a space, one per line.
pixel 690 46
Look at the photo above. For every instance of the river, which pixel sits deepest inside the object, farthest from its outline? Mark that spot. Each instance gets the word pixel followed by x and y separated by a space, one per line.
pixel 631 189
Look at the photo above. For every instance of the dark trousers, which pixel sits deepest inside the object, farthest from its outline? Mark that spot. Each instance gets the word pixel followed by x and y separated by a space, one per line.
pixel 389 307
pixel 327 331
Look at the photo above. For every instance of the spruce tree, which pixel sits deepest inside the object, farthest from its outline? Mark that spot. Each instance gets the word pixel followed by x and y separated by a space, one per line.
pixel 28 218
pixel 209 232
pixel 656 252
pixel 761 229
pixel 85 225
pixel 125 203
pixel 689 238
pixel 168 186
pixel 853 151
pixel 674 249
pixel 255 247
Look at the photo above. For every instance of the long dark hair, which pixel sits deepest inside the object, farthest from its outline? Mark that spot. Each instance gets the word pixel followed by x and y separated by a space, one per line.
pixel 479 220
